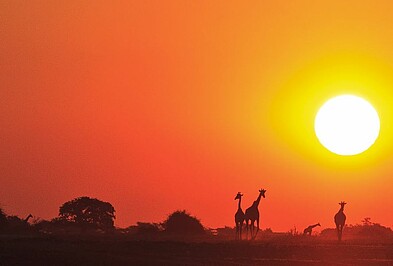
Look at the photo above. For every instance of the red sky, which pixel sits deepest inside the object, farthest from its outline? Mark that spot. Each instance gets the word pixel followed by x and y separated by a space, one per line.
pixel 156 106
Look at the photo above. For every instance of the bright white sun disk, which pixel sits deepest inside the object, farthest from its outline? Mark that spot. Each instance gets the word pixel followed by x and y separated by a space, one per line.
pixel 347 125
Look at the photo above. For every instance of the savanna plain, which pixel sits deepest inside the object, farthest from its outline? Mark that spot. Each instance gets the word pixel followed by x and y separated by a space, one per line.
pixel 120 250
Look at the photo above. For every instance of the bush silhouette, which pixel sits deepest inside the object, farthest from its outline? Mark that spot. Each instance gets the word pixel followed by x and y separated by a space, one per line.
pixel 370 229
pixel 3 220
pixel 88 212
pixel 180 222
pixel 16 224
pixel 366 229
pixel 147 228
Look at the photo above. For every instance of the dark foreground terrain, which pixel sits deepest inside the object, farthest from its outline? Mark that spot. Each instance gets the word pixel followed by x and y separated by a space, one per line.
pixel 55 251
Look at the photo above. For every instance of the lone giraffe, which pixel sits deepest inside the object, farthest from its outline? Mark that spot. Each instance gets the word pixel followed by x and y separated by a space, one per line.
pixel 308 230
pixel 339 219
pixel 252 215
pixel 27 218
pixel 239 217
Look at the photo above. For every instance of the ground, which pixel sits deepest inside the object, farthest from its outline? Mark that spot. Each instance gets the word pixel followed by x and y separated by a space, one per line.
pixel 111 251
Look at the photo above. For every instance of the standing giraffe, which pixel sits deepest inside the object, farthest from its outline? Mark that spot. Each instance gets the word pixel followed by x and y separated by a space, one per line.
pixel 308 230
pixel 339 219
pixel 239 217
pixel 252 215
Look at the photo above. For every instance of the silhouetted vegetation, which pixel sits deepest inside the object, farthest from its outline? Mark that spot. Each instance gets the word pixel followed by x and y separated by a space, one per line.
pixel 59 242
pixel 42 226
pixel 365 230
pixel 16 224
pixel 370 229
pixel 3 220
pixel 13 224
pixel 87 213
pixel 180 222
pixel 148 228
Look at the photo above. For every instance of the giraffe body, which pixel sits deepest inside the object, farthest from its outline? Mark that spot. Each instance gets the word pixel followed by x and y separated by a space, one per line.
pixel 239 217
pixel 308 230
pixel 252 215
pixel 339 220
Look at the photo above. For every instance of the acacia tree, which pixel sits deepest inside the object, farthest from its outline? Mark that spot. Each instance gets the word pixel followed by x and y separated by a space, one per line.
pixel 88 213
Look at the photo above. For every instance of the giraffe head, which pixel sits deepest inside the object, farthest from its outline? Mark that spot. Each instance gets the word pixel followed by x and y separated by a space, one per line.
pixel 262 191
pixel 342 204
pixel 238 196
pixel 318 224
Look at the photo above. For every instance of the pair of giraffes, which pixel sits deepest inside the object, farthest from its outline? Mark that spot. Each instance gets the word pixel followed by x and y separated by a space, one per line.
pixel 250 216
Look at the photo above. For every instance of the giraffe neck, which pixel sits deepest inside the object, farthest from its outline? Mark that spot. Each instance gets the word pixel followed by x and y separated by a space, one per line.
pixel 240 199
pixel 314 225
pixel 27 218
pixel 341 209
pixel 258 200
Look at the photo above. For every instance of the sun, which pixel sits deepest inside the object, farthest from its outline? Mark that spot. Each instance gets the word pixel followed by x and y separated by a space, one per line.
pixel 347 125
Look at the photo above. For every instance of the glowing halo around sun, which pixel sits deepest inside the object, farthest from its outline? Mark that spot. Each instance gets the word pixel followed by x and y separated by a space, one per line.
pixel 347 125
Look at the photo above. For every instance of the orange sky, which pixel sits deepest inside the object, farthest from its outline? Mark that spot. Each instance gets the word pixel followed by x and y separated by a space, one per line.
pixel 156 106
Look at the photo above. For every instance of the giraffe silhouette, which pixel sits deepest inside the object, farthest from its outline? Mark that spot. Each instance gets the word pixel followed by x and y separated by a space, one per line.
pixel 27 218
pixel 308 230
pixel 239 217
pixel 252 215
pixel 339 219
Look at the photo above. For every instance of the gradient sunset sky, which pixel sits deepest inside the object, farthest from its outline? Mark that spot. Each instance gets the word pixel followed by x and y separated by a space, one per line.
pixel 156 106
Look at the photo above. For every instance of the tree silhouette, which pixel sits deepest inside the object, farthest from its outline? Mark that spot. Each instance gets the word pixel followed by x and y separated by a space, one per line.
pixel 370 229
pixel 3 220
pixel 367 221
pixel 88 213
pixel 180 222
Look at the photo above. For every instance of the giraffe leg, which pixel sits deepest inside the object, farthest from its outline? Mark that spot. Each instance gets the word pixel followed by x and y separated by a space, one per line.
pixel 257 229
pixel 240 231
pixel 338 232
pixel 252 229
pixel 341 231
pixel 247 229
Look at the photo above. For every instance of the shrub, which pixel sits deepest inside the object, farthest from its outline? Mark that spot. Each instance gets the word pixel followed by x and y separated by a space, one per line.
pixel 180 222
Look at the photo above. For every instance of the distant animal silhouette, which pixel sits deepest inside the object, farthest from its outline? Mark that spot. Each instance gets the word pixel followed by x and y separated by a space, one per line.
pixel 339 219
pixel 27 218
pixel 252 215
pixel 239 217
pixel 308 230
pixel 16 224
